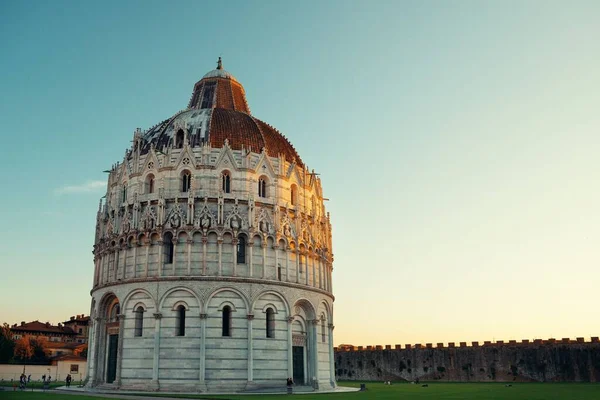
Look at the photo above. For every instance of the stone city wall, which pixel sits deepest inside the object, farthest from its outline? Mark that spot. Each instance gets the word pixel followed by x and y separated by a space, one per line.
pixel 551 360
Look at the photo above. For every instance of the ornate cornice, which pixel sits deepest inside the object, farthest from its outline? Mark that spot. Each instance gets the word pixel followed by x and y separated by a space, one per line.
pixel 215 279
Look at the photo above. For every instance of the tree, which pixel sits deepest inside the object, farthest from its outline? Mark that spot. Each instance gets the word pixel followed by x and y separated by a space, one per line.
pixel 84 352
pixel 38 347
pixel 7 344
pixel 23 349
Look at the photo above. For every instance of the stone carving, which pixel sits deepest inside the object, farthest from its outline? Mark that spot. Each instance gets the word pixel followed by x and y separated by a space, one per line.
pixel 287 227
pixel 204 218
pixel 175 217
pixel 264 222
pixel 126 224
pixel 235 220
pixel 149 218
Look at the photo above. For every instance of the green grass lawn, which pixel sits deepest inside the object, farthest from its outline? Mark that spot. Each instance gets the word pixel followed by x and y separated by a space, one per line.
pixel 34 385
pixel 404 391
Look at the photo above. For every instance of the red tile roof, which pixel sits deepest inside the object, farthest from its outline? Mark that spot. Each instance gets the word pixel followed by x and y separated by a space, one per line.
pixel 37 326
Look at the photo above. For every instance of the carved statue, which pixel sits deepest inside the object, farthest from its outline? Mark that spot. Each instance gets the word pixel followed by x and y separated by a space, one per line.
pixel 264 226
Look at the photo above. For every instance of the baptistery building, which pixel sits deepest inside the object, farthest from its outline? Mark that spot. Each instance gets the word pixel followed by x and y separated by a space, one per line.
pixel 212 256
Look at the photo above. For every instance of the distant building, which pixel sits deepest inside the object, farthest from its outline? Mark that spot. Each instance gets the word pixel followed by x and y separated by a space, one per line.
pixel 75 330
pixel 56 349
pixel 79 325
pixel 37 329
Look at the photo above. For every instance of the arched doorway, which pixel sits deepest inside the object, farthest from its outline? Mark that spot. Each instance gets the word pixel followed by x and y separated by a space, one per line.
pixel 108 343
pixel 303 344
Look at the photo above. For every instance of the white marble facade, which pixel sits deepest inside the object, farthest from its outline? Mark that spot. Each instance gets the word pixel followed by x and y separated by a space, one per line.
pixel 212 267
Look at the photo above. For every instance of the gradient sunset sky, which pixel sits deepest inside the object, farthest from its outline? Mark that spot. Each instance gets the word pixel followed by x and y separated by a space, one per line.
pixel 458 143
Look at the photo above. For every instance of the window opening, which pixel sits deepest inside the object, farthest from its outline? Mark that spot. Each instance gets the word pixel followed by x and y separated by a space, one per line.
pixel 226 182
pixel 181 321
pixel 241 250
pixel 150 184
pixel 179 139
pixel 270 323
pixel 226 331
pixel 208 95
pixel 262 187
pixel 139 321
pixel 186 182
pixel 294 195
pixel 168 248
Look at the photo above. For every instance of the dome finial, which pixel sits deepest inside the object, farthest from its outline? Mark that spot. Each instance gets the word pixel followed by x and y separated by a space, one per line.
pixel 219 64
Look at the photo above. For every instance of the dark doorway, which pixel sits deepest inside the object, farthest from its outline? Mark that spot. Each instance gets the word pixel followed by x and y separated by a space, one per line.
pixel 111 368
pixel 298 364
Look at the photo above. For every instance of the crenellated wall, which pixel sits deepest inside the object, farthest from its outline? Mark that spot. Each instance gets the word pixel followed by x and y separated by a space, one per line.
pixel 551 360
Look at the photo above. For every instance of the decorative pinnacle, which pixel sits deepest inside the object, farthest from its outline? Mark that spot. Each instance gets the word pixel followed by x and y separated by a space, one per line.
pixel 219 64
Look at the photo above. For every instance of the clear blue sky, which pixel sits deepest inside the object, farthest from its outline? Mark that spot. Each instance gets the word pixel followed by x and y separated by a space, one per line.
pixel 458 142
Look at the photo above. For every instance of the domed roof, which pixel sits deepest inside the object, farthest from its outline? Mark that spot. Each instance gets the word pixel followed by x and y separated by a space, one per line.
pixel 218 111
pixel 219 73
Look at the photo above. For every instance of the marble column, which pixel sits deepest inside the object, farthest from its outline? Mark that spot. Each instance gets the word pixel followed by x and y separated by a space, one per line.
pixel 125 253
pixel 204 242
pixel 234 243
pixel 174 262
pixel 313 268
pixel 250 349
pixel 290 355
pixel 156 360
pixel 147 245
pixel 135 247
pixel 297 266
pixel 287 264
pixel 315 353
pixel 121 319
pixel 263 244
pixel 277 266
pixel 96 350
pixel 250 251
pixel 189 242
pixel 331 357
pixel 202 373
pixel 160 257
pixel 91 344
pixel 306 271
pixel 220 246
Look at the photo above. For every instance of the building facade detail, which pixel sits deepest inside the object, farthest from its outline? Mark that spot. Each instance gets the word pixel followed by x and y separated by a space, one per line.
pixel 213 225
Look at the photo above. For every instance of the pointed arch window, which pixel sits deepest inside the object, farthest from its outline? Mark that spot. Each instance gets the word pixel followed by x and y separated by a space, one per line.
pixel 241 250
pixel 226 321
pixel 124 193
pixel 262 187
pixel 179 139
pixel 150 184
pixel 180 320
pixel 270 323
pixel 139 322
pixel 294 195
pixel 186 181
pixel 226 182
pixel 168 248
pixel 323 338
